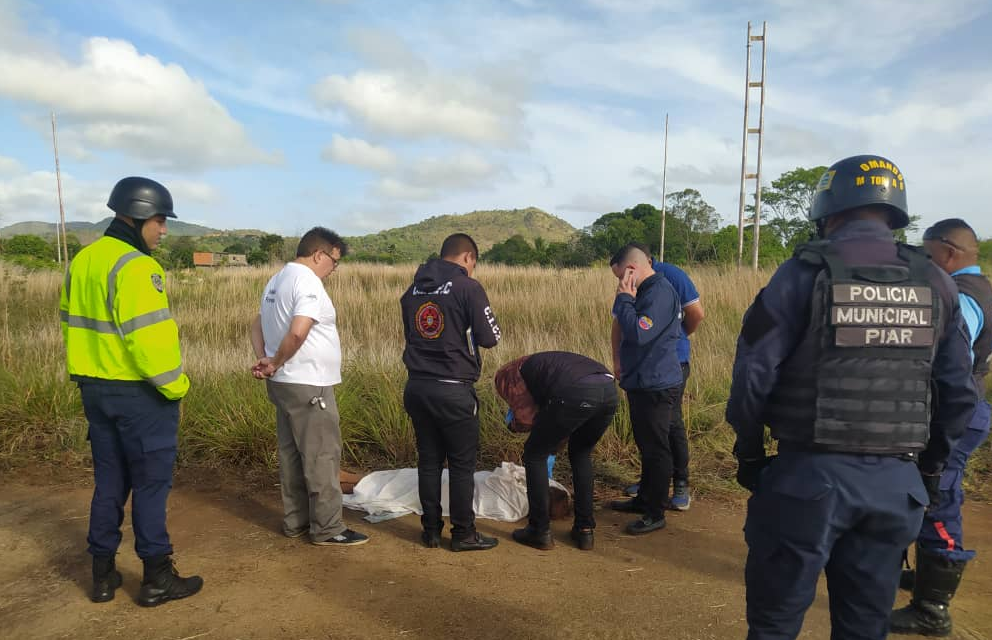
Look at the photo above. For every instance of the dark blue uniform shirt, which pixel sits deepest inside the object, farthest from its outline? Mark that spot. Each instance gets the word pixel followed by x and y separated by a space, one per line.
pixel 650 326
pixel 785 303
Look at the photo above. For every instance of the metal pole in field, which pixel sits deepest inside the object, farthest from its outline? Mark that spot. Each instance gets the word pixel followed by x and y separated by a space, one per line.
pixel 664 179
pixel 58 182
pixel 761 130
pixel 740 211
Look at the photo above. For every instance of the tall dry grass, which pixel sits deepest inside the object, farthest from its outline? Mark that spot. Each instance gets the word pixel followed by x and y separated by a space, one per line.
pixel 226 418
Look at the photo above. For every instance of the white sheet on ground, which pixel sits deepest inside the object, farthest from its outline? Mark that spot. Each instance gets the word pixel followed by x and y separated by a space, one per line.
pixel 500 494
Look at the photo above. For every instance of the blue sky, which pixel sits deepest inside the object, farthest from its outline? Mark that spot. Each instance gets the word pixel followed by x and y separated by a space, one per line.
pixel 368 114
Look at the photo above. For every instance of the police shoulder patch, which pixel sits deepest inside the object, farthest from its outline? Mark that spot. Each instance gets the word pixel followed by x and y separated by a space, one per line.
pixel 158 283
pixel 429 321
pixel 645 322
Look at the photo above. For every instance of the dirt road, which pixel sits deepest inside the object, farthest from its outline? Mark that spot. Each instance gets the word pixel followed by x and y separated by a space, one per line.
pixel 684 582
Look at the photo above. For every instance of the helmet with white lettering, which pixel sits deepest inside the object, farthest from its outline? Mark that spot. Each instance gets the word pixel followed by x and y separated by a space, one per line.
pixel 140 199
pixel 861 181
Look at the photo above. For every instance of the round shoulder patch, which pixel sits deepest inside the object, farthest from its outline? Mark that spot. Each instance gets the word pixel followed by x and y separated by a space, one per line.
pixel 157 283
pixel 429 321
pixel 645 323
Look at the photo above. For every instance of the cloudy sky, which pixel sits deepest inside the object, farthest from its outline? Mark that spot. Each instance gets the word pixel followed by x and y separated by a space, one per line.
pixel 368 114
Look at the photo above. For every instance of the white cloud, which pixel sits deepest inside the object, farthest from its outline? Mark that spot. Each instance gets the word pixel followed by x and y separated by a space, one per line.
pixel 118 99
pixel 420 104
pixel 359 153
pixel 9 165
pixel 425 178
pixel 34 196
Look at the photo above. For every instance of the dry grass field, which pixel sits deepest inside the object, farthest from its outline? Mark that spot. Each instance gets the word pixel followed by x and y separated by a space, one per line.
pixel 227 419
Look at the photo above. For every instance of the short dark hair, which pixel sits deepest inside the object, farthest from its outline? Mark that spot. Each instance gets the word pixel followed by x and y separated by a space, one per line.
pixel 624 253
pixel 940 229
pixel 458 243
pixel 320 239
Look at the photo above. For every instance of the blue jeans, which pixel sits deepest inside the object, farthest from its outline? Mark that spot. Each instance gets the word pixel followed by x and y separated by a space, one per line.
pixel 133 433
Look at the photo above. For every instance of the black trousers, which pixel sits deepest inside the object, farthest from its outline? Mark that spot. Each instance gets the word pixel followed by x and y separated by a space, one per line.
pixel 446 423
pixel 650 420
pixel 580 416
pixel 677 438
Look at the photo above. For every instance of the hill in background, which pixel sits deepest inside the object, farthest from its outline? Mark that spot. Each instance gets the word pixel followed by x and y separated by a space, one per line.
pixel 417 241
pixel 87 232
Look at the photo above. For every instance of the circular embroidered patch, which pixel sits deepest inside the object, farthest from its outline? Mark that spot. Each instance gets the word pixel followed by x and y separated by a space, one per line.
pixel 429 321
pixel 645 323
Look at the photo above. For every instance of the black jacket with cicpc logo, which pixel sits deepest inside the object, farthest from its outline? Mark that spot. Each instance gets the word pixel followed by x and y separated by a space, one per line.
pixel 446 319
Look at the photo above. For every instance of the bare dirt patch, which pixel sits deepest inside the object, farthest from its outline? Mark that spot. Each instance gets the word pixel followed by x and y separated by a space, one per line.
pixel 683 582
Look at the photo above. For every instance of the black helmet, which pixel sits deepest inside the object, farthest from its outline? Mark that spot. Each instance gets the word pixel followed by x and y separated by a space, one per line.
pixel 861 181
pixel 140 199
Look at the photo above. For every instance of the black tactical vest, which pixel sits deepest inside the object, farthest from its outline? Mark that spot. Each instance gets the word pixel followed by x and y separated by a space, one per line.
pixel 977 288
pixel 859 381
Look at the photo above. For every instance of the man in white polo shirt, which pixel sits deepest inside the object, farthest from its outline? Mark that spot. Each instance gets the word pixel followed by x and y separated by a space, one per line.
pixel 299 356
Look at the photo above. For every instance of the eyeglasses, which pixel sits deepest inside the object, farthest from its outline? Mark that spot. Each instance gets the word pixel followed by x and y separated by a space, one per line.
pixel 332 258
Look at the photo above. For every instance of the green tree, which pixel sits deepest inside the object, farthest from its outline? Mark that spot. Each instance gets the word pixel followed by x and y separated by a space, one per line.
pixel 257 257
pixel 272 245
pixel 784 206
pixel 29 245
pixel 181 253
pixel 237 247
pixel 515 250
pixel 699 220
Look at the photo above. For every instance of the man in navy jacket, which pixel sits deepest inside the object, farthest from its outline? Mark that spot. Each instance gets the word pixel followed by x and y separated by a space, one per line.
pixel 649 317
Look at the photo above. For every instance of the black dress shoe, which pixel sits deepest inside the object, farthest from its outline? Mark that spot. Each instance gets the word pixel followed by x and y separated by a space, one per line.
pixel 533 538
pixel 475 542
pixel 628 506
pixel 431 539
pixel 583 538
pixel 645 524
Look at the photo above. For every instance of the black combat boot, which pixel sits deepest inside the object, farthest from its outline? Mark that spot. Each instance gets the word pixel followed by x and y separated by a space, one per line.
pixel 162 582
pixel 936 580
pixel 106 578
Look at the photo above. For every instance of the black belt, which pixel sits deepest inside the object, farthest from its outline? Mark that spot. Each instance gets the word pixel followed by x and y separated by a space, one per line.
pixel 786 446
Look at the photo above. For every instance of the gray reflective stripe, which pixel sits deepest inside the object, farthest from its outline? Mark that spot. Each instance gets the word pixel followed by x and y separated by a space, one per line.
pixel 145 320
pixel 112 278
pixel 80 322
pixel 163 379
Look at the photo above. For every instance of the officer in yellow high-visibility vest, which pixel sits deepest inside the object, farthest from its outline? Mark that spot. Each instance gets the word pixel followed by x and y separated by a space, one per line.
pixel 122 349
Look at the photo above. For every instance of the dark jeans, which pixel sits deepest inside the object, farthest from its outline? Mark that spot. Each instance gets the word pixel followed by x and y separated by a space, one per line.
pixel 446 422
pixel 677 439
pixel 580 416
pixel 650 420
pixel 133 435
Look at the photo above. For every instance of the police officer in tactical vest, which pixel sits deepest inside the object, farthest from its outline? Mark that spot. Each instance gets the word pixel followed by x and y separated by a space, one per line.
pixel 122 349
pixel 940 552
pixel 856 357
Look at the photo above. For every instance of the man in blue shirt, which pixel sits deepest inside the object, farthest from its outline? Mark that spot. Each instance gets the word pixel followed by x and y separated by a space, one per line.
pixel 842 356
pixel 940 552
pixel 649 318
pixel 692 316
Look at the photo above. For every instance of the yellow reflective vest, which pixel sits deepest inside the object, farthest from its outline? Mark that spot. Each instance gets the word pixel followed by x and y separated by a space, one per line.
pixel 116 321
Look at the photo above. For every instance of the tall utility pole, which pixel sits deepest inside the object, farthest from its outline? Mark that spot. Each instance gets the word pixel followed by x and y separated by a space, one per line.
pixel 58 181
pixel 664 178
pixel 756 176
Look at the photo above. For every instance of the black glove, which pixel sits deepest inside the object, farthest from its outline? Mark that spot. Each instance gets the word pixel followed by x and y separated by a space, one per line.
pixel 749 471
pixel 932 483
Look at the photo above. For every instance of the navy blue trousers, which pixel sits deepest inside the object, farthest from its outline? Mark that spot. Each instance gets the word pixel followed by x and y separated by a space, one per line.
pixel 848 515
pixel 942 531
pixel 133 435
